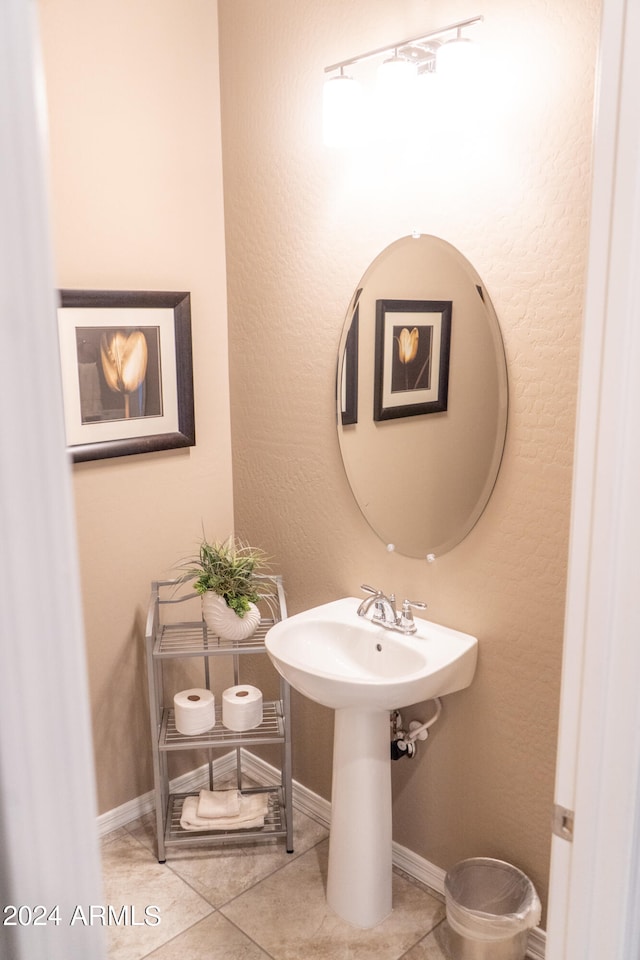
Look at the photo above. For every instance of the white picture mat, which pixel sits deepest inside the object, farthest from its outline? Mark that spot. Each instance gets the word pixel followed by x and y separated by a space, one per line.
pixel 69 319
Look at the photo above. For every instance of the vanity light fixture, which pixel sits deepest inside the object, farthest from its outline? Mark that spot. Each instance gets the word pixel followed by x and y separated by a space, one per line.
pixel 341 98
pixel 404 65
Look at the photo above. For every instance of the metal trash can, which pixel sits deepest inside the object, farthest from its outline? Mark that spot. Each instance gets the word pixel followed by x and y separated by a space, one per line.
pixel 491 906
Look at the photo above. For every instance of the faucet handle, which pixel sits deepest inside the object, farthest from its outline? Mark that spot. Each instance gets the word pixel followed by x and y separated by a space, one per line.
pixel 368 589
pixel 408 604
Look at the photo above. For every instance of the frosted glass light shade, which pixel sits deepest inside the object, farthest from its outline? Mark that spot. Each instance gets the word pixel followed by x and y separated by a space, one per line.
pixel 426 107
pixel 426 87
pixel 341 104
pixel 396 90
pixel 457 60
pixel 396 77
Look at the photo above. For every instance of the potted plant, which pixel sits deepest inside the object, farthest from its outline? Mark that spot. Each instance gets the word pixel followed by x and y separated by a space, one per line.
pixel 224 574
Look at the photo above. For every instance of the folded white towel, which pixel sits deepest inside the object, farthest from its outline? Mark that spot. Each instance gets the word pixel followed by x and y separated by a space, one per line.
pixel 253 809
pixel 218 803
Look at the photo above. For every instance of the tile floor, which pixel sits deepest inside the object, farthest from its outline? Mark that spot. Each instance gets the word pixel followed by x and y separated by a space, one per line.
pixel 254 903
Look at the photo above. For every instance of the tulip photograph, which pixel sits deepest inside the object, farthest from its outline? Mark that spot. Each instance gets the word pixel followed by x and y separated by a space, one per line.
pixel 118 373
pixel 411 367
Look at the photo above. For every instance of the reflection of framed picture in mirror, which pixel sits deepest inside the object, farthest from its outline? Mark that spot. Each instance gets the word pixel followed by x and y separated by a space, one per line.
pixel 349 373
pixel 126 372
pixel 413 342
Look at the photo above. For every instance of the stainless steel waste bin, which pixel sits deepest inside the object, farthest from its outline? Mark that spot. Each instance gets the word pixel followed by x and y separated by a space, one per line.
pixel 491 906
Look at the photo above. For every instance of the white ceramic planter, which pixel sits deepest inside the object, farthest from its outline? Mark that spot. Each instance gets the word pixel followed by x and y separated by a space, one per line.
pixel 225 622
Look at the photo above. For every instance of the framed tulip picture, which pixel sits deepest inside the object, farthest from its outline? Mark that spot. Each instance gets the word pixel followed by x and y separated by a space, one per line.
pixel 127 372
pixel 413 342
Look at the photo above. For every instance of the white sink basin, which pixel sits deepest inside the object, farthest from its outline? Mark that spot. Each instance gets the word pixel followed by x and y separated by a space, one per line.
pixel 339 659
pixel 363 671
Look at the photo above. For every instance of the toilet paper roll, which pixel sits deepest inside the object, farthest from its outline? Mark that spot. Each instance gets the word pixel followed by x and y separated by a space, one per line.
pixel 195 711
pixel 242 707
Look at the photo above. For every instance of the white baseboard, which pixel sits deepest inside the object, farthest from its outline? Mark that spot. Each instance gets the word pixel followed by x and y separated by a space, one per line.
pixel 537 944
pixel 307 802
pixel 187 783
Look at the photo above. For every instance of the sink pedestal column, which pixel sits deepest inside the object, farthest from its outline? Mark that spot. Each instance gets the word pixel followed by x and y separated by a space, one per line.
pixel 360 853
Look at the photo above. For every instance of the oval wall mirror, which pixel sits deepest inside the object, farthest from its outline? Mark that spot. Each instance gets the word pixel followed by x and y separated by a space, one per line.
pixel 422 396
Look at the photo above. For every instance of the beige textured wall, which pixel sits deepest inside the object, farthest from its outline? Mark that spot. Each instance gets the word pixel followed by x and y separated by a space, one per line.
pixel 302 224
pixel 137 204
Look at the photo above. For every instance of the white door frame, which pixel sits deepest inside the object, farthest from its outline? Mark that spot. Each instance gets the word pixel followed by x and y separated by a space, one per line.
pixel 595 880
pixel 48 832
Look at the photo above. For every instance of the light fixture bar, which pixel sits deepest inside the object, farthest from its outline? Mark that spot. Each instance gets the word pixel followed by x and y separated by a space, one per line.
pixel 403 43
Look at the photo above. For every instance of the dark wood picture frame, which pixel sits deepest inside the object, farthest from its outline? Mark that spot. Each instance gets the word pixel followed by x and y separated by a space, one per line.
pixel 94 377
pixel 349 373
pixel 412 352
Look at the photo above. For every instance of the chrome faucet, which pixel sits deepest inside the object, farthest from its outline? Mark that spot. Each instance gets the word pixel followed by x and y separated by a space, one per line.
pixel 384 610
pixel 384 607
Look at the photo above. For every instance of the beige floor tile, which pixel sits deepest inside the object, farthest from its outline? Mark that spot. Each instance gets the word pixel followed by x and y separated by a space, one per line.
pixel 133 880
pixel 116 834
pixel 288 916
pixel 144 830
pixel 218 874
pixel 433 947
pixel 221 873
pixel 213 938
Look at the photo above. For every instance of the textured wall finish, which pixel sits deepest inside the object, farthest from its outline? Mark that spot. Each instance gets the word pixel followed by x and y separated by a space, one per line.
pixel 137 204
pixel 508 184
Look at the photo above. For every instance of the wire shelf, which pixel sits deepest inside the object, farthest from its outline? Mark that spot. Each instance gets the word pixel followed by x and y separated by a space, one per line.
pixel 194 639
pixel 271 730
pixel 274 823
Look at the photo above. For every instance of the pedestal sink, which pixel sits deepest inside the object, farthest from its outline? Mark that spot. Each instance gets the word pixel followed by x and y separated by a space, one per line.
pixel 363 671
